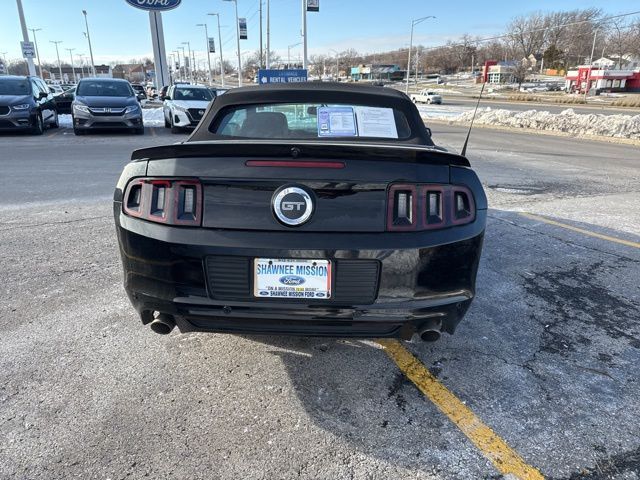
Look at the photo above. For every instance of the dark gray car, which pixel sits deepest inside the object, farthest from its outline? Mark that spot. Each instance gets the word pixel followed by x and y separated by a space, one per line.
pixel 26 104
pixel 106 103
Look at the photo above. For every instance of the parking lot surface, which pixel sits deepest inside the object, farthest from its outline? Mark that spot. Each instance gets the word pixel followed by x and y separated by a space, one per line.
pixel 546 359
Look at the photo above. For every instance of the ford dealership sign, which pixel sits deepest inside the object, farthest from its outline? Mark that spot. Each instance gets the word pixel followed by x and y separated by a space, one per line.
pixel 158 5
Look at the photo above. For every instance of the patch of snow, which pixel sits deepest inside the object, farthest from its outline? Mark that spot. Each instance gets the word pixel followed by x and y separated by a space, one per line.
pixel 65 121
pixel 567 121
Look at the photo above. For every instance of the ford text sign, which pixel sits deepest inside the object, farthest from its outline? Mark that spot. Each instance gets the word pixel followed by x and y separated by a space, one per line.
pixel 158 5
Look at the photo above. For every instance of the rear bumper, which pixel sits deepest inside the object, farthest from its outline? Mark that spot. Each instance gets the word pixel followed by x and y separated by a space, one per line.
pixel 425 279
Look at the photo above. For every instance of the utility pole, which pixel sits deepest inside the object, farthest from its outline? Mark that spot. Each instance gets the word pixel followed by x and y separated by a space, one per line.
pixel 86 24
pixel 206 34
pixel 195 72
pixel 414 22
pixel 25 37
pixel 35 41
pixel 304 33
pixel 58 55
pixel 219 47
pixel 268 37
pixel 73 70
pixel 588 86
pixel 182 77
pixel 261 53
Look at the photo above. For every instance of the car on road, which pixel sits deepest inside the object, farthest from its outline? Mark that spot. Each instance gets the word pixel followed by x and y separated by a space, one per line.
pixel 26 103
pixel 426 96
pixel 308 209
pixel 106 103
pixel 63 100
pixel 140 91
pixel 184 106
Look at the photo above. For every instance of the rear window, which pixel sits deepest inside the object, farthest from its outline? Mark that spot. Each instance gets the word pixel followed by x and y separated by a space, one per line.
pixel 312 121
pixel 103 88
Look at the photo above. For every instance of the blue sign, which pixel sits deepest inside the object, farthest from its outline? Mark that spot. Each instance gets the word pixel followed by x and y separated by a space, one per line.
pixel 157 5
pixel 282 76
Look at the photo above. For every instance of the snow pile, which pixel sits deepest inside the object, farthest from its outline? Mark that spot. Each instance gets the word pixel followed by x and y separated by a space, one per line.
pixel 152 117
pixel 567 121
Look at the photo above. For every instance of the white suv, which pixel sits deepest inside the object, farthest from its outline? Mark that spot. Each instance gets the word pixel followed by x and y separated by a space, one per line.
pixel 184 106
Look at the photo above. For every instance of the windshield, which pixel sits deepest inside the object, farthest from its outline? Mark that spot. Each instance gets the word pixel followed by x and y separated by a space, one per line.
pixel 12 86
pixel 103 88
pixel 313 121
pixel 202 94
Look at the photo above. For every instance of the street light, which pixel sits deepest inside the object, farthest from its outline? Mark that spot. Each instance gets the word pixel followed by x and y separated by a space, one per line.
pixel 86 24
pixel 182 77
pixel 70 50
pixel 238 43
pixel 219 47
pixel 35 41
pixel 190 61
pixel 414 22
pixel 289 53
pixel 206 34
pixel 58 55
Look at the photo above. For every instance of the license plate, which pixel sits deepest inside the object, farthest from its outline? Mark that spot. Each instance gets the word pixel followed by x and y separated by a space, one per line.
pixel 292 278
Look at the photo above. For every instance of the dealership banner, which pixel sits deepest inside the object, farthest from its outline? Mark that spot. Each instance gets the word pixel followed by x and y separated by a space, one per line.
pixel 242 22
pixel 313 5
pixel 212 45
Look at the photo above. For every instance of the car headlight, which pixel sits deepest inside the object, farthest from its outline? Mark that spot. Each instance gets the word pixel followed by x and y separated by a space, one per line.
pixel 22 106
pixel 81 108
pixel 131 109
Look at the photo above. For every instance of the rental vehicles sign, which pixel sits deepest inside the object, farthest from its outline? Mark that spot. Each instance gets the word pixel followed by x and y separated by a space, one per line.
pixel 157 5
pixel 282 76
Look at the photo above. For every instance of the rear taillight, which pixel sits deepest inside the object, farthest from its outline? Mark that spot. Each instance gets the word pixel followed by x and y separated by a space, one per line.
pixel 161 200
pixel 426 207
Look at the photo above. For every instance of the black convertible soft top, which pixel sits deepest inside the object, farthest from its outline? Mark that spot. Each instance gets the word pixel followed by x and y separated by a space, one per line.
pixel 316 92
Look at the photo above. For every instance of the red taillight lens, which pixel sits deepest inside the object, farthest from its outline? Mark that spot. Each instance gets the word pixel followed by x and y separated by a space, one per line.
pixel 426 207
pixel 171 201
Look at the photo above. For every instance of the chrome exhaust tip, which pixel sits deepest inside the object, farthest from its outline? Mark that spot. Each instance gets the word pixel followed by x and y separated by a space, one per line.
pixel 163 324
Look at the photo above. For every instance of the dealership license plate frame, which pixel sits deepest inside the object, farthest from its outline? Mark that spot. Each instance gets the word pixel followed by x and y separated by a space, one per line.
pixel 260 282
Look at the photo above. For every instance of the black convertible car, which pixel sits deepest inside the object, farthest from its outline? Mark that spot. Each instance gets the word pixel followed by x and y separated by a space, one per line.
pixel 308 209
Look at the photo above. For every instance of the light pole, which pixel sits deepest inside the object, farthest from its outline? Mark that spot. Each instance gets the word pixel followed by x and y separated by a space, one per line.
pixel 86 24
pixel 35 41
pixel 304 33
pixel 238 43
pixel 588 86
pixel 81 57
pixel 70 50
pixel 58 55
pixel 289 53
pixel 190 61
pixel 25 37
pixel 337 60
pixel 182 77
pixel 414 22
pixel 268 37
pixel 206 34
pixel 217 15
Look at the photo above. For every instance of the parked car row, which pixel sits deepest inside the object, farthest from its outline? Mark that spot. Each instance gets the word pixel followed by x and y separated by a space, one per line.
pixel 28 103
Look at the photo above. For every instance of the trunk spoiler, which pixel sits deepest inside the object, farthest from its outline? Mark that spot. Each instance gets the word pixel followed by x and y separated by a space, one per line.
pixel 303 149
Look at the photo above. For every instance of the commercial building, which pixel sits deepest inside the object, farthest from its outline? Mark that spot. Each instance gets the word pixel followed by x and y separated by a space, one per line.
pixel 377 72
pixel 593 79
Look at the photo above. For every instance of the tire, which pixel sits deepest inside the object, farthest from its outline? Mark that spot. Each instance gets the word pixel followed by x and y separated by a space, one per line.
pixel 38 128
pixel 78 131
pixel 56 123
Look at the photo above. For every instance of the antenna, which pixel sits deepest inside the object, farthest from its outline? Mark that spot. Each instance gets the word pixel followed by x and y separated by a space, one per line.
pixel 466 140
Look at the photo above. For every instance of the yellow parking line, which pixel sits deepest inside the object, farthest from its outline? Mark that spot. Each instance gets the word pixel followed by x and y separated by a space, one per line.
pixel 505 459
pixel 621 241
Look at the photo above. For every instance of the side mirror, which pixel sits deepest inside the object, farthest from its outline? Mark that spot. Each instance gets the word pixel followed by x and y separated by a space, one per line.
pixel 42 95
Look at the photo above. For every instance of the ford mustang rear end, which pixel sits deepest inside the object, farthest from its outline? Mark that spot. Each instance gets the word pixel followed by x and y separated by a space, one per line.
pixel 311 209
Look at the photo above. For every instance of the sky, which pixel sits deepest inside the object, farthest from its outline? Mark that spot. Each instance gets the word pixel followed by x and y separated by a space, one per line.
pixel 120 32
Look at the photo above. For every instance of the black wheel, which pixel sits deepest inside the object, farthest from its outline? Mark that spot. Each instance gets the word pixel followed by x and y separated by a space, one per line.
pixel 56 121
pixel 38 128
pixel 78 131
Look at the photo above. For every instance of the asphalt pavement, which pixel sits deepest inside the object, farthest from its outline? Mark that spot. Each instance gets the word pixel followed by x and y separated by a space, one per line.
pixel 547 357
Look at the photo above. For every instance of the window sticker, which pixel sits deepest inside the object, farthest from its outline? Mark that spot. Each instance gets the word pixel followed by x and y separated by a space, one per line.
pixel 376 122
pixel 336 122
